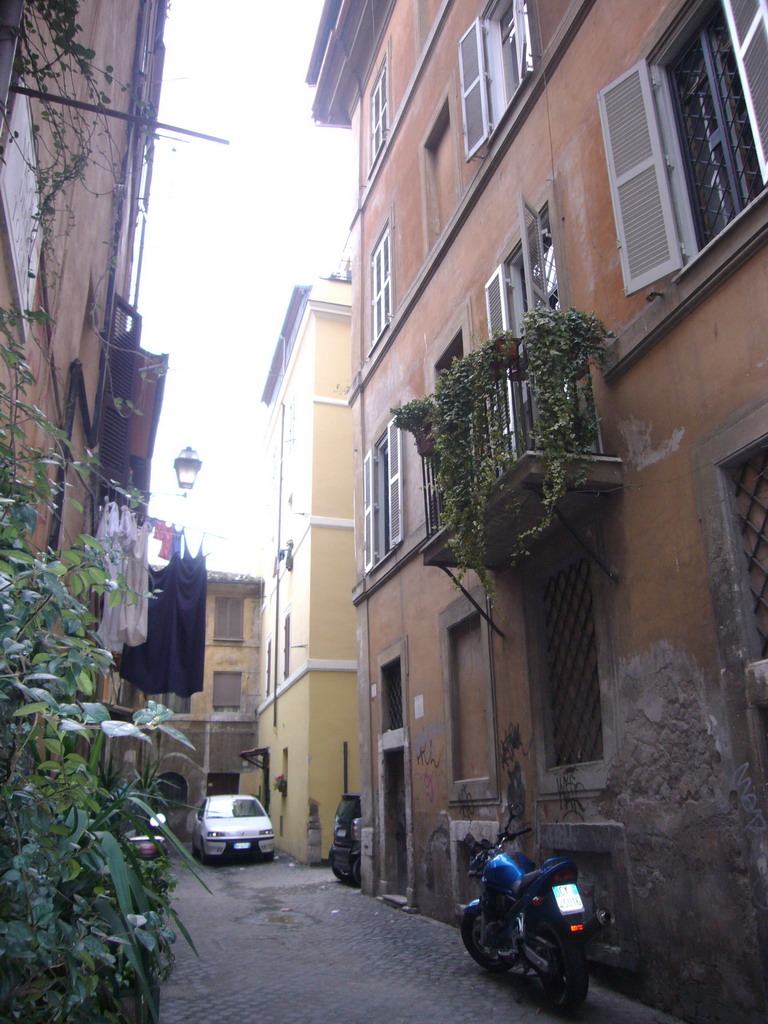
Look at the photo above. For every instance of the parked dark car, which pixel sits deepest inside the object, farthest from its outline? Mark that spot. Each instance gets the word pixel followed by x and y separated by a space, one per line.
pixel 345 849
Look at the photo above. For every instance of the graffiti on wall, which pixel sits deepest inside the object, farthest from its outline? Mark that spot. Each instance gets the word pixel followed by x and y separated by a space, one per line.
pixel 756 826
pixel 512 749
pixel 428 759
pixel 569 793
pixel 466 803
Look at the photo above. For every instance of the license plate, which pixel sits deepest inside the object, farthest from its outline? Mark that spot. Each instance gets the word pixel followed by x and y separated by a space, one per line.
pixel 568 898
pixel 241 846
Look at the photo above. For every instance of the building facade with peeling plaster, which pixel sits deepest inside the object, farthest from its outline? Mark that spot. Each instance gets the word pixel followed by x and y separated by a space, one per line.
pixel 618 686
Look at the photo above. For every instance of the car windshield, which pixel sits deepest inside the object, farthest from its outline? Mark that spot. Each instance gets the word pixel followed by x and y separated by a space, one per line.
pixel 236 807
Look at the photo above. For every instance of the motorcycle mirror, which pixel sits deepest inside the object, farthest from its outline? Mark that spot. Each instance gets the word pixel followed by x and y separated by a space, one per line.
pixel 515 810
pixel 469 839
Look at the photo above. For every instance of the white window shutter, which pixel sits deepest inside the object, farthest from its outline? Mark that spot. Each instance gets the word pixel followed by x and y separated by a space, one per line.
pixel 497 301
pixel 533 257
pixel 394 485
pixel 368 498
pixel 522 42
pixel 642 201
pixel 748 23
pixel 474 89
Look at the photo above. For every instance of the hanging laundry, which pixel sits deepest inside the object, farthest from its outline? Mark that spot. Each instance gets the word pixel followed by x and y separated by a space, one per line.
pixel 164 533
pixel 117 533
pixel 172 658
pixel 133 609
pixel 176 539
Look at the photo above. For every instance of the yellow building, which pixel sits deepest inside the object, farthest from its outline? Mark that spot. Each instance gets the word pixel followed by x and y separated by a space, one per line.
pixel 308 721
pixel 220 720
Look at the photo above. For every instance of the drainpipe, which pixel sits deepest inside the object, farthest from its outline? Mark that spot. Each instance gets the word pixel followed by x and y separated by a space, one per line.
pixel 277 577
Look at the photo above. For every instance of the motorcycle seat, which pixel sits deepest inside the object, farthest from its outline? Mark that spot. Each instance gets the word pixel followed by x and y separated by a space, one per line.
pixel 523 883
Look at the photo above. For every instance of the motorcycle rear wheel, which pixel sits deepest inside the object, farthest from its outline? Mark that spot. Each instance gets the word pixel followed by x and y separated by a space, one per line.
pixel 567 982
pixel 471 931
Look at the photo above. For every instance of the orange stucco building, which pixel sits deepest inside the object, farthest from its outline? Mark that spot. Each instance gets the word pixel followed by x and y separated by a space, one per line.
pixel 617 685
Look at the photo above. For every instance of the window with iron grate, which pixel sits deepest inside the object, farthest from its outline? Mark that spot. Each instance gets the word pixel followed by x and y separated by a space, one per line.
pixel 571 655
pixel 751 493
pixel 686 138
pixel 392 686
pixel 719 147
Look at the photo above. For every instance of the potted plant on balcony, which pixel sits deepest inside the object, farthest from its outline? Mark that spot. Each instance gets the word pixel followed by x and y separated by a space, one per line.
pixel 417 417
pixel 474 444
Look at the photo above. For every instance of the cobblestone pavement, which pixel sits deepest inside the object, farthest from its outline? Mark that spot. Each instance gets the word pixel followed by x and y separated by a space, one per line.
pixel 281 943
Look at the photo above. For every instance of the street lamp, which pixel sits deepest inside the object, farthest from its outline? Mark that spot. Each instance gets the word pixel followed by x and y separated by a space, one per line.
pixel 187 466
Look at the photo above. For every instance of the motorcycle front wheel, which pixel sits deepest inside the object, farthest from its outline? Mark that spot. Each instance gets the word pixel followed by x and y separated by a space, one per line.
pixel 471 932
pixel 566 981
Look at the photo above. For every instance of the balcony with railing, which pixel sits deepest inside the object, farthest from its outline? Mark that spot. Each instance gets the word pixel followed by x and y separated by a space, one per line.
pixel 501 434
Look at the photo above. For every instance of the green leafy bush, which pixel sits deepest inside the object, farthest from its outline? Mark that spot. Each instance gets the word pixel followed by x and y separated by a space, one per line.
pixel 83 920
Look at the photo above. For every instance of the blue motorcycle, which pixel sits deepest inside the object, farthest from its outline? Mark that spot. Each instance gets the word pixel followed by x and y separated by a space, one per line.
pixel 529 918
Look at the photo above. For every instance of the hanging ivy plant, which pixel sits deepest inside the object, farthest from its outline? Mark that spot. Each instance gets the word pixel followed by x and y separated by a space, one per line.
pixel 560 345
pixel 467 421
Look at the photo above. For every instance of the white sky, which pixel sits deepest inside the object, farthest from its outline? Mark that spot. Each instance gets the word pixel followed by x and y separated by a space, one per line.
pixel 231 230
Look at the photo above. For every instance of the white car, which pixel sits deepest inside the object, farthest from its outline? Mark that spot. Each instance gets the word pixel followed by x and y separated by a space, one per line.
pixel 236 824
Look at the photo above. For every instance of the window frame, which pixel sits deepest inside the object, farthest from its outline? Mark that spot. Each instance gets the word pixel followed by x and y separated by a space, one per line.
pixel 486 91
pixel 382 497
pixel 379 112
pixel 562 550
pixel 658 170
pixel 226 708
pixel 381 286
pixel 484 788
pixel 224 620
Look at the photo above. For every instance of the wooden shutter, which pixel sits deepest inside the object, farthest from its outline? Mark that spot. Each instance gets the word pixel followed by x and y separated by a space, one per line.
pixel 642 202
pixel 474 89
pixel 748 24
pixel 521 39
pixel 394 485
pixel 497 301
pixel 368 532
pixel 533 257
pixel 229 618
pixel 122 353
pixel 226 689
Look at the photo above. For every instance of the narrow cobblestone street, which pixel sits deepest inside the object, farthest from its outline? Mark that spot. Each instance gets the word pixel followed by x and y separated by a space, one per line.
pixel 286 944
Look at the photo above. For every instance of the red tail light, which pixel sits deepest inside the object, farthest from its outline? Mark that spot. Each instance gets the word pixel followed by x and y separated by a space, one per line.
pixel 563 875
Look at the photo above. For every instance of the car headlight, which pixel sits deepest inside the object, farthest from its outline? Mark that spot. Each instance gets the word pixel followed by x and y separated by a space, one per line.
pixel 216 835
pixel 265 832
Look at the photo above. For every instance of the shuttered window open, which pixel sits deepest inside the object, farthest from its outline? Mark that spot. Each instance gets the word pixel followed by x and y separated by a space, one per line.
pixel 748 24
pixel 394 485
pixel 474 89
pixel 531 233
pixel 381 287
pixel 497 301
pixel 642 203
pixel 368 538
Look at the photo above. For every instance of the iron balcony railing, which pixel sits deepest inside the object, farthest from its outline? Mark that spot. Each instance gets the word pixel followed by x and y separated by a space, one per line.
pixel 511 406
pixel 513 403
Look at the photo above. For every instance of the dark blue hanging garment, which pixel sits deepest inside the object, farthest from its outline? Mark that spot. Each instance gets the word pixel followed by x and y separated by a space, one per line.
pixel 172 658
